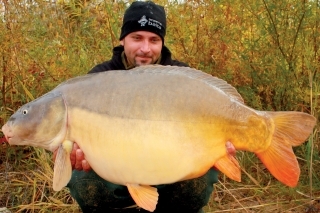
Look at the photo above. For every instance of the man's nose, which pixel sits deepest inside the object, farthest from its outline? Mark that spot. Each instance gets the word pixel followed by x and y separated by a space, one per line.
pixel 145 46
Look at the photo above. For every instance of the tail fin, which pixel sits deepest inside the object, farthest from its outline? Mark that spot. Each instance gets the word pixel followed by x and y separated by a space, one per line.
pixel 291 129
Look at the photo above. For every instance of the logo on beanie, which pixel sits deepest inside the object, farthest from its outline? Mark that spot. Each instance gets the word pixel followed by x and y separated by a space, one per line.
pixel 151 22
pixel 143 21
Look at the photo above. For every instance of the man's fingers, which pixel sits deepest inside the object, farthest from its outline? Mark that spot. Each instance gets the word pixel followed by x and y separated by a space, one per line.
pixel 77 159
pixel 85 166
pixel 79 156
pixel 73 156
pixel 76 146
pixel 231 150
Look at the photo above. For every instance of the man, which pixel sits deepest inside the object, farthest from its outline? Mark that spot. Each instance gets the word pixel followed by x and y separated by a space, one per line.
pixel 142 42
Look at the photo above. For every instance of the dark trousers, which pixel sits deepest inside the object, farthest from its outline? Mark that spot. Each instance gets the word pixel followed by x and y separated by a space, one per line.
pixel 95 194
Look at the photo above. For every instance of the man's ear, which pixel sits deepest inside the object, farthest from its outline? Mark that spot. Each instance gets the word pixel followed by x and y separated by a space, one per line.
pixel 121 42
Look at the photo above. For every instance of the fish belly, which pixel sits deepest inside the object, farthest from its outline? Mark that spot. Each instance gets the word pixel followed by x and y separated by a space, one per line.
pixel 146 152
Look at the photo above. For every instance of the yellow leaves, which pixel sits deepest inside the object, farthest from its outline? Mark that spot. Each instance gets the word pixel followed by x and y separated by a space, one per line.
pixel 28 93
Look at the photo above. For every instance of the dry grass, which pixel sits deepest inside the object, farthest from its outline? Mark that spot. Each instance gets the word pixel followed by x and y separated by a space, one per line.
pixel 235 197
pixel 27 184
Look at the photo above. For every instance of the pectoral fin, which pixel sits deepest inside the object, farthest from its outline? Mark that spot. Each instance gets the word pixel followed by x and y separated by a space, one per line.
pixel 62 166
pixel 230 167
pixel 145 197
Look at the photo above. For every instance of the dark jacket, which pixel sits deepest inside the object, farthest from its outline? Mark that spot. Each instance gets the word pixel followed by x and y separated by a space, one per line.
pixel 95 194
pixel 116 62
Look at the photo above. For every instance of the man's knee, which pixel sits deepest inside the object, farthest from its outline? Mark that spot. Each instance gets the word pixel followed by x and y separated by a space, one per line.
pixel 92 192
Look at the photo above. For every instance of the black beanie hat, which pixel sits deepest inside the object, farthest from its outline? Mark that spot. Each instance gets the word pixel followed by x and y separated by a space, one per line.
pixel 144 16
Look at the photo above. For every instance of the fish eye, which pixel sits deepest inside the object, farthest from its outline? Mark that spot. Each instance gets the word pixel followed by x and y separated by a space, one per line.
pixel 24 111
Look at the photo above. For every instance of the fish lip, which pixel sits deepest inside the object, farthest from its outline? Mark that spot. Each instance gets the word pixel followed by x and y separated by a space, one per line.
pixel 8 138
pixel 7 133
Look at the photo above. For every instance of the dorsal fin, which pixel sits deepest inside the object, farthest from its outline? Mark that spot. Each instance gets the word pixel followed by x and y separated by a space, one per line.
pixel 215 82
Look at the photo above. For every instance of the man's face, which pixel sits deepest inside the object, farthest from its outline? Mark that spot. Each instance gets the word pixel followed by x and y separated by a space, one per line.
pixel 142 47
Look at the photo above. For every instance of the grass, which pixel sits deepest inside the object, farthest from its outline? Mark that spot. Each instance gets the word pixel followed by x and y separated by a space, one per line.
pixel 27 183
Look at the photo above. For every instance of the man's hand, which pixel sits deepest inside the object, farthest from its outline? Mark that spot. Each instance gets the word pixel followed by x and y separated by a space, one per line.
pixel 78 161
pixel 231 150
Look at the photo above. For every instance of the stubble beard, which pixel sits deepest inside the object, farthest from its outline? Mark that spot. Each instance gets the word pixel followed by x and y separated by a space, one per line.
pixel 143 62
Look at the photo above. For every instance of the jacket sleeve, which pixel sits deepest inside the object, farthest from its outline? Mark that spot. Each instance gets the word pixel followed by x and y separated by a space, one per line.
pixel 179 63
pixel 105 66
pixel 108 65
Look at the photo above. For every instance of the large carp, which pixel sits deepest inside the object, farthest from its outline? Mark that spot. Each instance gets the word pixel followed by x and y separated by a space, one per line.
pixel 156 125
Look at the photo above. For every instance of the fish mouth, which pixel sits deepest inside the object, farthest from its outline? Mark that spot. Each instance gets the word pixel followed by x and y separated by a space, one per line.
pixel 7 139
pixel 10 139
pixel 7 133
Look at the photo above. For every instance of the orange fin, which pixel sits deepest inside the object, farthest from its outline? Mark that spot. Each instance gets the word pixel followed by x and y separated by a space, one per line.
pixel 282 163
pixel 291 129
pixel 145 197
pixel 229 166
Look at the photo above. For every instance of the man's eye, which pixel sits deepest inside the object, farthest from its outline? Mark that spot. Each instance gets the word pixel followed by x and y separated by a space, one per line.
pixel 155 40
